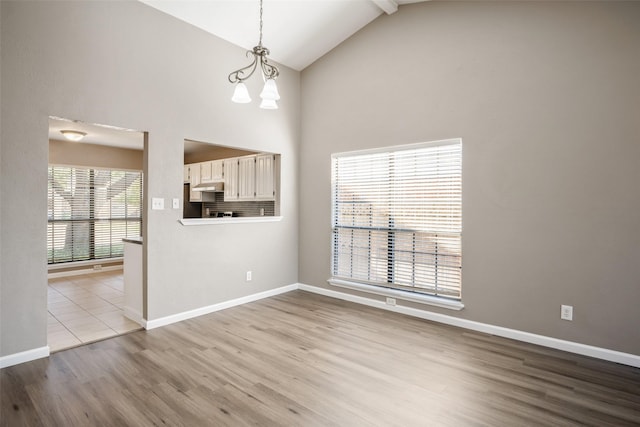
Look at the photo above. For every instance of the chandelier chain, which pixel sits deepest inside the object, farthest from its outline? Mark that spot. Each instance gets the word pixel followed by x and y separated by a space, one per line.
pixel 260 43
pixel 259 56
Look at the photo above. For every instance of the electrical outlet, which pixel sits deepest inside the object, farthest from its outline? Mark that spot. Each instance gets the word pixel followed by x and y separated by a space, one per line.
pixel 391 301
pixel 176 203
pixel 248 276
pixel 97 267
pixel 566 312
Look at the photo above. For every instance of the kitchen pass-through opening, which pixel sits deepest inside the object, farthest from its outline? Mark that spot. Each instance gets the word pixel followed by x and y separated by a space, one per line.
pixel 227 182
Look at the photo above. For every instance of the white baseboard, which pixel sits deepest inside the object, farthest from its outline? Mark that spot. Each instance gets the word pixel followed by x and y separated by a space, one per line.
pixel 570 346
pixel 134 315
pixel 24 356
pixel 163 321
pixel 70 273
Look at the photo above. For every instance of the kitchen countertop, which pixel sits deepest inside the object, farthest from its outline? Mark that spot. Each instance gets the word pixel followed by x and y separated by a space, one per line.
pixel 229 220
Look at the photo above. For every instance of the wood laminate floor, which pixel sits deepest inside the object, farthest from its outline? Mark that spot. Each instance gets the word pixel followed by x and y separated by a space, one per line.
pixel 301 359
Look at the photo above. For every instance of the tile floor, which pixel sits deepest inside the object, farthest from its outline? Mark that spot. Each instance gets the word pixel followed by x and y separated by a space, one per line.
pixel 86 308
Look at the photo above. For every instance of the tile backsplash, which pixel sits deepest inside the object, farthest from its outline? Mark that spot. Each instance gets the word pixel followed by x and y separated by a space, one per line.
pixel 240 209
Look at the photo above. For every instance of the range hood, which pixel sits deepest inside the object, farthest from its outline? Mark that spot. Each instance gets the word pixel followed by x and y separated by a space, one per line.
pixel 210 186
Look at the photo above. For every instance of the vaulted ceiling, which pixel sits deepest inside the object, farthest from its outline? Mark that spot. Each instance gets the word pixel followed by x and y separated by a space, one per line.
pixel 297 32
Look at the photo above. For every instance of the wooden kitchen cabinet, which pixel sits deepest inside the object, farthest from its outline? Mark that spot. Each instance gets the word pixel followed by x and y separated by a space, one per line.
pixel 205 171
pixel 217 169
pixel 187 174
pixel 195 196
pixel 230 179
pixel 211 171
pixel 265 177
pixel 247 178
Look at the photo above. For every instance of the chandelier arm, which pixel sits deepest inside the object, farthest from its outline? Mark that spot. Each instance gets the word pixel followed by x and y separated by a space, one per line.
pixel 238 75
pixel 269 71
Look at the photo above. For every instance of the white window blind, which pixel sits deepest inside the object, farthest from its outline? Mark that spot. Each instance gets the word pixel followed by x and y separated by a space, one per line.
pixel 397 218
pixel 90 211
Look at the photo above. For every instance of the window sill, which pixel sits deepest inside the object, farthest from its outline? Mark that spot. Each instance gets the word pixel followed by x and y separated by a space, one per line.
pixel 231 220
pixel 89 262
pixel 395 293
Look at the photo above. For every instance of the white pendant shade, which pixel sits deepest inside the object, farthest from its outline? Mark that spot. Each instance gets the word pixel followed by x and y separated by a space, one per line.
pixel 270 91
pixel 269 104
pixel 241 94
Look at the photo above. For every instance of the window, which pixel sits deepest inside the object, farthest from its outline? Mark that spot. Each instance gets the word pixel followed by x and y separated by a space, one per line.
pixel 397 218
pixel 90 211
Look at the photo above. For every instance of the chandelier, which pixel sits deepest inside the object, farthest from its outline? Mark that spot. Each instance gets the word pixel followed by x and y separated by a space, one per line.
pixel 269 72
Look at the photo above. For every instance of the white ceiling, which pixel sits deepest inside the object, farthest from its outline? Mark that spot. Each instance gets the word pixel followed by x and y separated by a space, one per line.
pixel 115 137
pixel 97 134
pixel 297 32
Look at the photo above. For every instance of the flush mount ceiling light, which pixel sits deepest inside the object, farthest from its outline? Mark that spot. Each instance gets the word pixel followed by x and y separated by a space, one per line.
pixel 73 135
pixel 269 72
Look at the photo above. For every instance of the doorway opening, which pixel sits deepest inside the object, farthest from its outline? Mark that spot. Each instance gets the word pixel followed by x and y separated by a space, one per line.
pixel 95 200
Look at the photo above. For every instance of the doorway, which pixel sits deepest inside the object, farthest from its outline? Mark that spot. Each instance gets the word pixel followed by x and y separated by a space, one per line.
pixel 95 199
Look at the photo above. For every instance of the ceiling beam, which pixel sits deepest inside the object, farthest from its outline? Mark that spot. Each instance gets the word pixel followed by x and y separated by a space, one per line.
pixel 388 6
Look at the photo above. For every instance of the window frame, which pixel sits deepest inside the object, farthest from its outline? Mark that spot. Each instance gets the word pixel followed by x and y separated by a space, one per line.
pixel 97 240
pixel 392 289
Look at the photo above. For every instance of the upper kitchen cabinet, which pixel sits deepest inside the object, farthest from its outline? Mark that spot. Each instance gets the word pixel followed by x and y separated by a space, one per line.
pixel 194 179
pixel 211 171
pixel 250 178
pixel 187 174
pixel 265 177
pixel 247 178
pixel 230 179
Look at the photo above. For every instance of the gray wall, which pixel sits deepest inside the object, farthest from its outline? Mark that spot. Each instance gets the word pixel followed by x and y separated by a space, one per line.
pixel 128 65
pixel 546 99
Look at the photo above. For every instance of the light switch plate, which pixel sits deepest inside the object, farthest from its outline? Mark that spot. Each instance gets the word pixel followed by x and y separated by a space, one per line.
pixel 176 203
pixel 157 203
